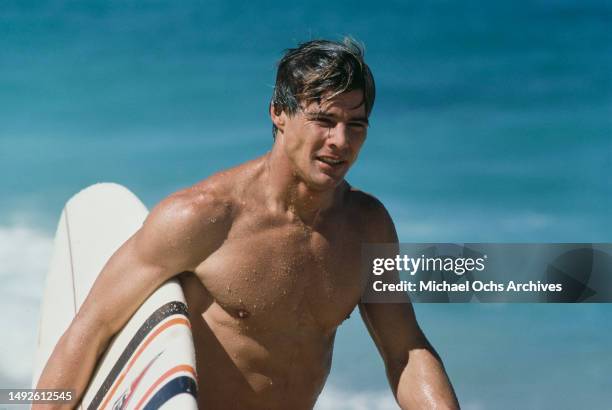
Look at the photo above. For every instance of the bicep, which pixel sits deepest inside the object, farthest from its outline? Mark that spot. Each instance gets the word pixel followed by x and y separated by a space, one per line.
pixel 126 280
pixel 391 321
pixel 394 329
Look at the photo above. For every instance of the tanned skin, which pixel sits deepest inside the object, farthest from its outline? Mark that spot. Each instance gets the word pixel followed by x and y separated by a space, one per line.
pixel 268 255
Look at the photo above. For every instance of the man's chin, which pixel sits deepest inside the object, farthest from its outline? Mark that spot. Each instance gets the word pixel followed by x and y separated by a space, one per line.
pixel 325 182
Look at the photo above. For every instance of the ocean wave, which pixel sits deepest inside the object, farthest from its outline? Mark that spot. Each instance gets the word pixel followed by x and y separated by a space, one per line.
pixel 335 398
pixel 24 255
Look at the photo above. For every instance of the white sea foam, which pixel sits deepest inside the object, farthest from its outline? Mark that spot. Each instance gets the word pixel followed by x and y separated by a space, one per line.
pixel 24 256
pixel 335 398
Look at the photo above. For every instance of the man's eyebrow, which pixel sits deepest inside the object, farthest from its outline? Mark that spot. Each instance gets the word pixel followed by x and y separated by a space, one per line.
pixel 323 114
pixel 361 119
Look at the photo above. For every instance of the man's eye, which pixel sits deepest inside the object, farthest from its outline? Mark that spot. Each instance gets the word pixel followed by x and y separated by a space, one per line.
pixel 325 122
pixel 357 126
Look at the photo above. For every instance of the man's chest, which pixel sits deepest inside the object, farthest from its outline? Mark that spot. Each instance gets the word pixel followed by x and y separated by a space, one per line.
pixel 286 273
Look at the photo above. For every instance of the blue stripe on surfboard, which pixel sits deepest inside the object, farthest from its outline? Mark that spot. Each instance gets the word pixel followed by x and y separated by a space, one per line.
pixel 176 386
pixel 169 309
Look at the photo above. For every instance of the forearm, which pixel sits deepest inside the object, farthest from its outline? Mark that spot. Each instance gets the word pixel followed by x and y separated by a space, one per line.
pixel 423 383
pixel 71 365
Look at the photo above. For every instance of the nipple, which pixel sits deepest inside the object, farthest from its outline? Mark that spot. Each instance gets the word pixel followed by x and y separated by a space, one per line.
pixel 243 314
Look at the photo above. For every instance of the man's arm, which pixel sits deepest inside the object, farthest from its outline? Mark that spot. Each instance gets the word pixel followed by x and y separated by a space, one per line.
pixel 414 369
pixel 178 234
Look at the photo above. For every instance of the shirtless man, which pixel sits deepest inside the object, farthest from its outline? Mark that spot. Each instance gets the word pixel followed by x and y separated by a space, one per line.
pixel 269 256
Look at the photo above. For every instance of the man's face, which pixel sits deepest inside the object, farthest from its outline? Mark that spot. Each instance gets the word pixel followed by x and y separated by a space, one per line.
pixel 323 140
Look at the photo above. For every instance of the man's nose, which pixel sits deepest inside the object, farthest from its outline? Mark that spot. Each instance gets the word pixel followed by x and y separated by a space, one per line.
pixel 339 136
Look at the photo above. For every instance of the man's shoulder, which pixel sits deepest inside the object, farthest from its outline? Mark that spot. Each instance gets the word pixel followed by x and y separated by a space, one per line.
pixel 191 204
pixel 208 202
pixel 365 204
pixel 190 223
pixel 370 213
pixel 211 200
pixel 364 201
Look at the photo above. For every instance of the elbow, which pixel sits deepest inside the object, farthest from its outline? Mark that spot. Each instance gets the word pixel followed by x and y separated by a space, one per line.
pixel 394 369
pixel 424 384
pixel 433 401
pixel 88 333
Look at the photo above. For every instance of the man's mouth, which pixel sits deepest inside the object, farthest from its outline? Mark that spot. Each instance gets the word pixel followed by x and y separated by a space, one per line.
pixel 331 161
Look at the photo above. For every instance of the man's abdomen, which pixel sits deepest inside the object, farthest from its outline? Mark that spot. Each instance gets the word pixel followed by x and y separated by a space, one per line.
pixel 245 366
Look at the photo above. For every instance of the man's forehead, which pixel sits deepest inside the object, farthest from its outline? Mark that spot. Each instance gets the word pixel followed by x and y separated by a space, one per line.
pixel 351 102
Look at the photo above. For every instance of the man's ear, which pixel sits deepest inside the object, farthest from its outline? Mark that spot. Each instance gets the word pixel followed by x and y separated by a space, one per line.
pixel 278 117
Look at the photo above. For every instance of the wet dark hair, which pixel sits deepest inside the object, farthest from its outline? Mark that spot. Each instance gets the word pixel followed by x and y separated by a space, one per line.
pixel 319 70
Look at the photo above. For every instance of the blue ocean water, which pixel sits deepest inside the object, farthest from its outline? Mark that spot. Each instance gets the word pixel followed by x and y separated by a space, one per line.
pixel 493 122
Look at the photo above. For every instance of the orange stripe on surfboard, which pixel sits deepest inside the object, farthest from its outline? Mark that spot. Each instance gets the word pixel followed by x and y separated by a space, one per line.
pixel 148 340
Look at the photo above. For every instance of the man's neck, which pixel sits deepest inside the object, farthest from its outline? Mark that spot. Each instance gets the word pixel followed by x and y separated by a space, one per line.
pixel 287 191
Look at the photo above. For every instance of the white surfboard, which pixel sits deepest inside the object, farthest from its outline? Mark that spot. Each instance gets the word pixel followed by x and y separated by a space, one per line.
pixel 150 363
